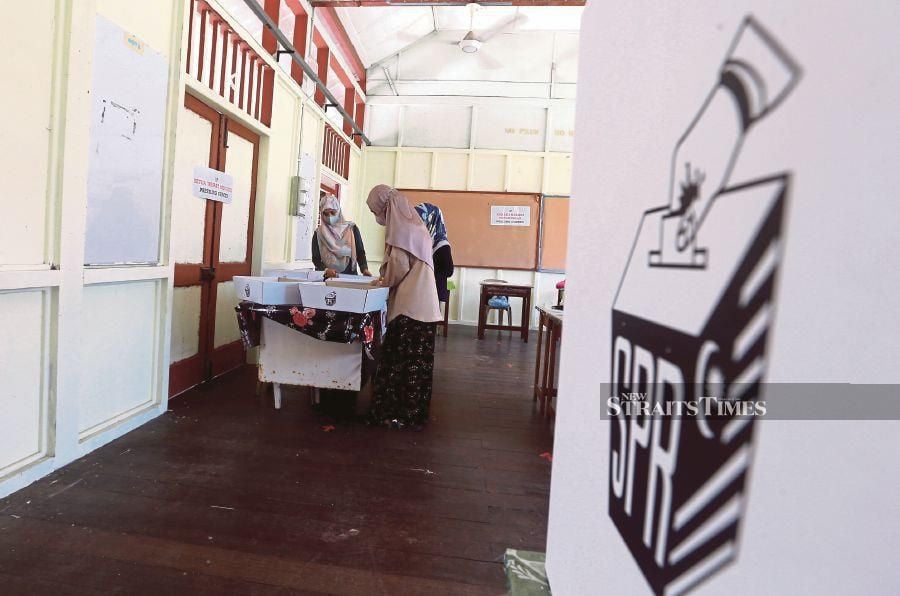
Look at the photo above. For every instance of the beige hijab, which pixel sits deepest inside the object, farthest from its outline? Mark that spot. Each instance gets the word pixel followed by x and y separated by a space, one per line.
pixel 337 247
pixel 404 227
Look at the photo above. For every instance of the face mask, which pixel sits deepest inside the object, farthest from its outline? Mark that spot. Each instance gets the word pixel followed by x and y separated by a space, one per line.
pixel 332 219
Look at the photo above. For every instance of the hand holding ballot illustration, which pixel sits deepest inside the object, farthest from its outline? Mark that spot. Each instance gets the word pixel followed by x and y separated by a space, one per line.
pixel 755 77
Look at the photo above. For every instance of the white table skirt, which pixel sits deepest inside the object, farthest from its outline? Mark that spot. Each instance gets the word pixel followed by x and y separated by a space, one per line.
pixel 292 358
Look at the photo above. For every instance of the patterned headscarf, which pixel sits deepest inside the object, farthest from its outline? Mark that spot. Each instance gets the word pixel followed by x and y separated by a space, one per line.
pixel 434 220
pixel 337 246
pixel 404 227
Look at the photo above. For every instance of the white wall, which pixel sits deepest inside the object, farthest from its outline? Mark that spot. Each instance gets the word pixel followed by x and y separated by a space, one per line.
pixel 502 123
pixel 819 515
pixel 68 318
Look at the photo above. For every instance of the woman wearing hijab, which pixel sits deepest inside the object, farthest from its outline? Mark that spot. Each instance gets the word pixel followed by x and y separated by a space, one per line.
pixel 440 247
pixel 403 379
pixel 337 245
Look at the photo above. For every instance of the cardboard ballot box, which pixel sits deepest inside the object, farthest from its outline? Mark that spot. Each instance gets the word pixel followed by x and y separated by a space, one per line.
pixel 298 274
pixel 362 279
pixel 347 299
pixel 266 290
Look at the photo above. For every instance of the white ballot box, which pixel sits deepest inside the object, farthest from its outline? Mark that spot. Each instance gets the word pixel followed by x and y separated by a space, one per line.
pixel 298 274
pixel 266 290
pixel 347 299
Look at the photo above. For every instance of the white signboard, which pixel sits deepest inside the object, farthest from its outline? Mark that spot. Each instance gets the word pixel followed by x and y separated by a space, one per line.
pixel 128 123
pixel 213 185
pixel 510 215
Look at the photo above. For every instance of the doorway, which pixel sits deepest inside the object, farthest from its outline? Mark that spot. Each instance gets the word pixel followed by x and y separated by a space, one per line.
pixel 331 186
pixel 211 243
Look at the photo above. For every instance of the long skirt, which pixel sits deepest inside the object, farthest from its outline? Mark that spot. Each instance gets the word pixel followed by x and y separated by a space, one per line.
pixel 403 379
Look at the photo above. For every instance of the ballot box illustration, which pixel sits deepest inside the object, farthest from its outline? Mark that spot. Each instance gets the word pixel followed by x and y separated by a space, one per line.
pixel 690 323
pixel 678 482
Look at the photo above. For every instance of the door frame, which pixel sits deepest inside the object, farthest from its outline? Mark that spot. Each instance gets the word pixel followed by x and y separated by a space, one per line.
pixel 209 361
pixel 231 355
pixel 189 372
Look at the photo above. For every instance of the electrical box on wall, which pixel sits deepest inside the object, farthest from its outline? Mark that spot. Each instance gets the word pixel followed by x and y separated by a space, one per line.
pixel 304 203
pixel 300 188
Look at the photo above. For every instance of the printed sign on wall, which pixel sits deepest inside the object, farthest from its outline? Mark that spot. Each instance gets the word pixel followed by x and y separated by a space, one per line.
pixel 510 215
pixel 213 185
pixel 720 243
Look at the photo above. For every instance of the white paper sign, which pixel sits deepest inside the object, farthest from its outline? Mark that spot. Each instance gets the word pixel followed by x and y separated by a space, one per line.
pixel 213 185
pixel 510 215
pixel 128 125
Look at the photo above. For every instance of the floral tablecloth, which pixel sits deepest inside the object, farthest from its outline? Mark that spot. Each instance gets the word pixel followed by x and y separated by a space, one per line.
pixel 325 325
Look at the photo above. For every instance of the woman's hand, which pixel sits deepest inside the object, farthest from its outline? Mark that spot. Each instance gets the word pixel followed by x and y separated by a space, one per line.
pixel 367 273
pixel 329 273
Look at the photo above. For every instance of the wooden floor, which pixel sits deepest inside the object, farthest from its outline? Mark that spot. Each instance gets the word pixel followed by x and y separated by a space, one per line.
pixel 223 494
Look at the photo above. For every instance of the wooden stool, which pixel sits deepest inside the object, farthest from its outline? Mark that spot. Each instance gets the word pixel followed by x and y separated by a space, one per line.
pixel 495 287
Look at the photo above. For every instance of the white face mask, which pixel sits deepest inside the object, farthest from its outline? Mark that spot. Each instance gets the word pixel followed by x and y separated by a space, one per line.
pixel 332 219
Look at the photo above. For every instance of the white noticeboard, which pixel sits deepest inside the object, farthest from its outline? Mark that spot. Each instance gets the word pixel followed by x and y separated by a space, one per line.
pixel 129 90
pixel 213 185
pixel 510 215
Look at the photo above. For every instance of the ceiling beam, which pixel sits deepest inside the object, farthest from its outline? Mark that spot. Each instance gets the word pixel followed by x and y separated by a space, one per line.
pixel 408 46
pixel 327 16
pixel 395 3
pixel 287 44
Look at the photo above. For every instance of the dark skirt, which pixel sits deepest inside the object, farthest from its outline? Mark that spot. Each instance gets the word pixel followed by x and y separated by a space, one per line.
pixel 403 379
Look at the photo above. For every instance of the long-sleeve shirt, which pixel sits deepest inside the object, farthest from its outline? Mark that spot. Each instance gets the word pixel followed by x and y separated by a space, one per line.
pixel 360 254
pixel 443 269
pixel 413 293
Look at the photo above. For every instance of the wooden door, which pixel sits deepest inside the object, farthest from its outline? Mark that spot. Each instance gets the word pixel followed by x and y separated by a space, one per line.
pixel 211 243
pixel 233 246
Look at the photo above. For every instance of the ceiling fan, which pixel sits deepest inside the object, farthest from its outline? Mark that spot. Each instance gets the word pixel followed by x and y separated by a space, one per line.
pixel 473 42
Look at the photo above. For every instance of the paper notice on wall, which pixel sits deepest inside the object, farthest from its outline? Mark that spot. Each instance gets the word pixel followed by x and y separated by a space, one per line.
pixel 129 91
pixel 213 185
pixel 510 215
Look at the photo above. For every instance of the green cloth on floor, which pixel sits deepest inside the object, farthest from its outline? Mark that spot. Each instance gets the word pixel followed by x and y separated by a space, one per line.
pixel 525 572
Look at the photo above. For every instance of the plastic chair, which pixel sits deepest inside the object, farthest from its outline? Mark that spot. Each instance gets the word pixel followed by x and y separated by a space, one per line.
pixel 446 324
pixel 500 304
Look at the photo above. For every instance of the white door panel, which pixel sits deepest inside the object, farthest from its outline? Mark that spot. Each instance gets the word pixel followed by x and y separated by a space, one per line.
pixel 189 212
